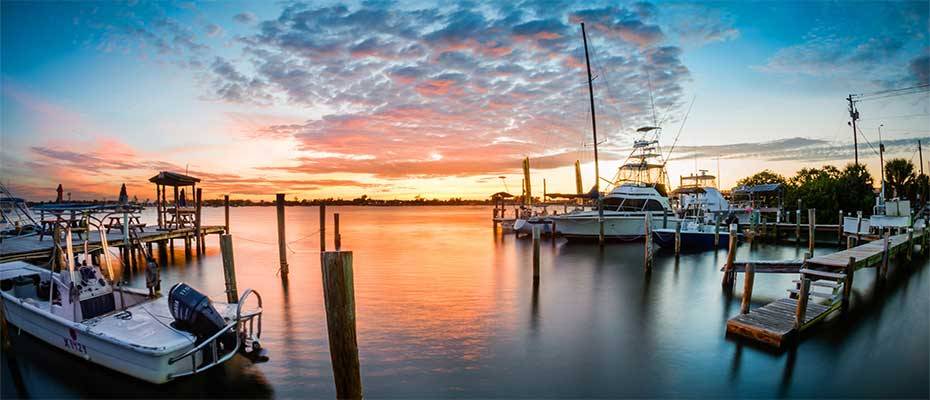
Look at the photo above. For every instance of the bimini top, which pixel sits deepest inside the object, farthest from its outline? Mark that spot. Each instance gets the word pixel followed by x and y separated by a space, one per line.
pixel 167 178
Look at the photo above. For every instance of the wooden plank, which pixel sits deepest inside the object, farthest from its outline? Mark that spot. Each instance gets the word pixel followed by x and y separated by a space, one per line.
pixel 773 324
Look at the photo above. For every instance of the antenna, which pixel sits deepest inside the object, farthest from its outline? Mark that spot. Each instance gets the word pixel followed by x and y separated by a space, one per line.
pixel 655 119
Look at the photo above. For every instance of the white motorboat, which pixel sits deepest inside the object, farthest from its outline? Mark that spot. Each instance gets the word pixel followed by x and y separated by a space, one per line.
pixel 145 335
pixel 699 197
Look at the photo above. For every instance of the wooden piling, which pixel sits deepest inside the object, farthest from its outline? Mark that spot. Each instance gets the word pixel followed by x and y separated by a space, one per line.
pixel 198 237
pixel 229 268
pixel 647 242
pixel 322 227
pixel 337 238
pixel 748 277
pixel 849 242
pixel 729 273
pixel 678 239
pixel 536 230
pixel 282 237
pixel 839 229
pixel 716 231
pixel 339 299
pixel 848 282
pixel 910 244
pixel 600 221
pixel 797 224
pixel 811 228
pixel 803 296
pixel 552 233
pixel 226 213
pixel 885 256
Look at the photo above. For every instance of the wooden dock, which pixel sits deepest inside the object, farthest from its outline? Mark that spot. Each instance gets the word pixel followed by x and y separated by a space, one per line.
pixel 31 248
pixel 782 320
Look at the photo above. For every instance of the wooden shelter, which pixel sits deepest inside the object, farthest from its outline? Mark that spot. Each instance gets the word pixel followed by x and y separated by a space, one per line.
pixel 176 215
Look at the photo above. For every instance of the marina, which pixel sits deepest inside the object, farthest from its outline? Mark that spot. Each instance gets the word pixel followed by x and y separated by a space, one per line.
pixel 484 200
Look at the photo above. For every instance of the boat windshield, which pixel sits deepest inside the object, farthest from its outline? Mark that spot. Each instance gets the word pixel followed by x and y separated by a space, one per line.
pixel 627 204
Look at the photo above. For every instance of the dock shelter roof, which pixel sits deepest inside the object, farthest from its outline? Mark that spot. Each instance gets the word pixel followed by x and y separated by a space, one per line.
pixel 167 178
pixel 760 189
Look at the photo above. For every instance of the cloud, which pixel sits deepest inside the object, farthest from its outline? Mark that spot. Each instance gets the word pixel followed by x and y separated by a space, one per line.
pixel 245 18
pixel 920 69
pixel 793 149
pixel 406 84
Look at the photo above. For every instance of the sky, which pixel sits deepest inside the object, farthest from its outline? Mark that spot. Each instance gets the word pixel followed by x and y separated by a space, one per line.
pixel 396 99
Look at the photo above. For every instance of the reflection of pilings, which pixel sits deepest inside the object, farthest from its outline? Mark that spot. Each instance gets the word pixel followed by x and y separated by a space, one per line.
pixel 534 309
pixel 736 362
pixel 788 372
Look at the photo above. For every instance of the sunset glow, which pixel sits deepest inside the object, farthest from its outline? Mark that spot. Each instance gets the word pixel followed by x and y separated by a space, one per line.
pixel 397 100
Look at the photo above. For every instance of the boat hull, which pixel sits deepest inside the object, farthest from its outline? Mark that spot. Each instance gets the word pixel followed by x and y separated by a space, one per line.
pixel 148 364
pixel 523 226
pixel 627 227
pixel 690 240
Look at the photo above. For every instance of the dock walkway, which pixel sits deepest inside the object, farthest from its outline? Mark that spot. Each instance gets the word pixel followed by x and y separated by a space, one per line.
pixel 30 247
pixel 780 321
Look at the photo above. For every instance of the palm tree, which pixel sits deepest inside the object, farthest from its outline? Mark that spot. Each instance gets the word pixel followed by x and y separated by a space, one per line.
pixel 899 173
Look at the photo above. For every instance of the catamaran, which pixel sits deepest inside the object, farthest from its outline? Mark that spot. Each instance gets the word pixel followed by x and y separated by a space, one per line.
pixel 83 311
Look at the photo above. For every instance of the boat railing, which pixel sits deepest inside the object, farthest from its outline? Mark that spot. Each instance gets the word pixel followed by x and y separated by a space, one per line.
pixel 243 326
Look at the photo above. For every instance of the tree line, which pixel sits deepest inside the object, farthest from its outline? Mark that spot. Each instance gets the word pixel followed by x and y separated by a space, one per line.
pixel 851 189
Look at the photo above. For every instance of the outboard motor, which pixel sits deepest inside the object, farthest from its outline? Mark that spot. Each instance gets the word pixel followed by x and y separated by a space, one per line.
pixel 193 312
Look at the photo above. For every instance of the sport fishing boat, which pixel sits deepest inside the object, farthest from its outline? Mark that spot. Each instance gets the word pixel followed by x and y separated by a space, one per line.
pixel 639 193
pixel 698 196
pixel 155 338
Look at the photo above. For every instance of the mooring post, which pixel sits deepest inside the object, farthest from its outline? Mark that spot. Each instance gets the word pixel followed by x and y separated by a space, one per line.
pixel 552 233
pixel 647 242
pixel 728 273
pixel 339 299
pixel 536 234
pixel 322 227
pixel 226 213
pixel 678 239
pixel 797 224
pixel 885 255
pixel 910 244
pixel 749 276
pixel 849 242
pixel 801 310
pixel 811 228
pixel 282 237
pixel 229 268
pixel 839 229
pixel 337 238
pixel 600 221
pixel 848 282
pixel 716 231
pixel 198 238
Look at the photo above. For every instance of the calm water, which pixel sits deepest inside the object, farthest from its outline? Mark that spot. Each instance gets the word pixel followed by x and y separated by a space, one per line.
pixel 446 308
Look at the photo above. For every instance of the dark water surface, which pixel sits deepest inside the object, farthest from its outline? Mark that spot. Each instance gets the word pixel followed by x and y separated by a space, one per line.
pixel 446 308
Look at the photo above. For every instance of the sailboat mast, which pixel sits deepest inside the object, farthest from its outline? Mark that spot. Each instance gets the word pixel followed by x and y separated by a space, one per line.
pixel 597 172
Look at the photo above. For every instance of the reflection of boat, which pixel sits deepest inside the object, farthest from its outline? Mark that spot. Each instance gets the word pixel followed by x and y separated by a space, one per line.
pixel 132 331
pixel 694 236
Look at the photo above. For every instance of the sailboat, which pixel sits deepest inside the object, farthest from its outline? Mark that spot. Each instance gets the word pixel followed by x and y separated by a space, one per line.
pixel 639 192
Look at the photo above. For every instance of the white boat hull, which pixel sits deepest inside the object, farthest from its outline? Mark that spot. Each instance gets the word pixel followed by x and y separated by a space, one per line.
pixel 149 364
pixel 624 227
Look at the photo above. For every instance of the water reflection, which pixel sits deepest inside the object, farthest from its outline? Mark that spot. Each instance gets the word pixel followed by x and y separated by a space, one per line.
pixel 445 307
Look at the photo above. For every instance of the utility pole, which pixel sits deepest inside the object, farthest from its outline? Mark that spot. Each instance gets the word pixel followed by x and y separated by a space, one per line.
pixel 854 115
pixel 881 158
